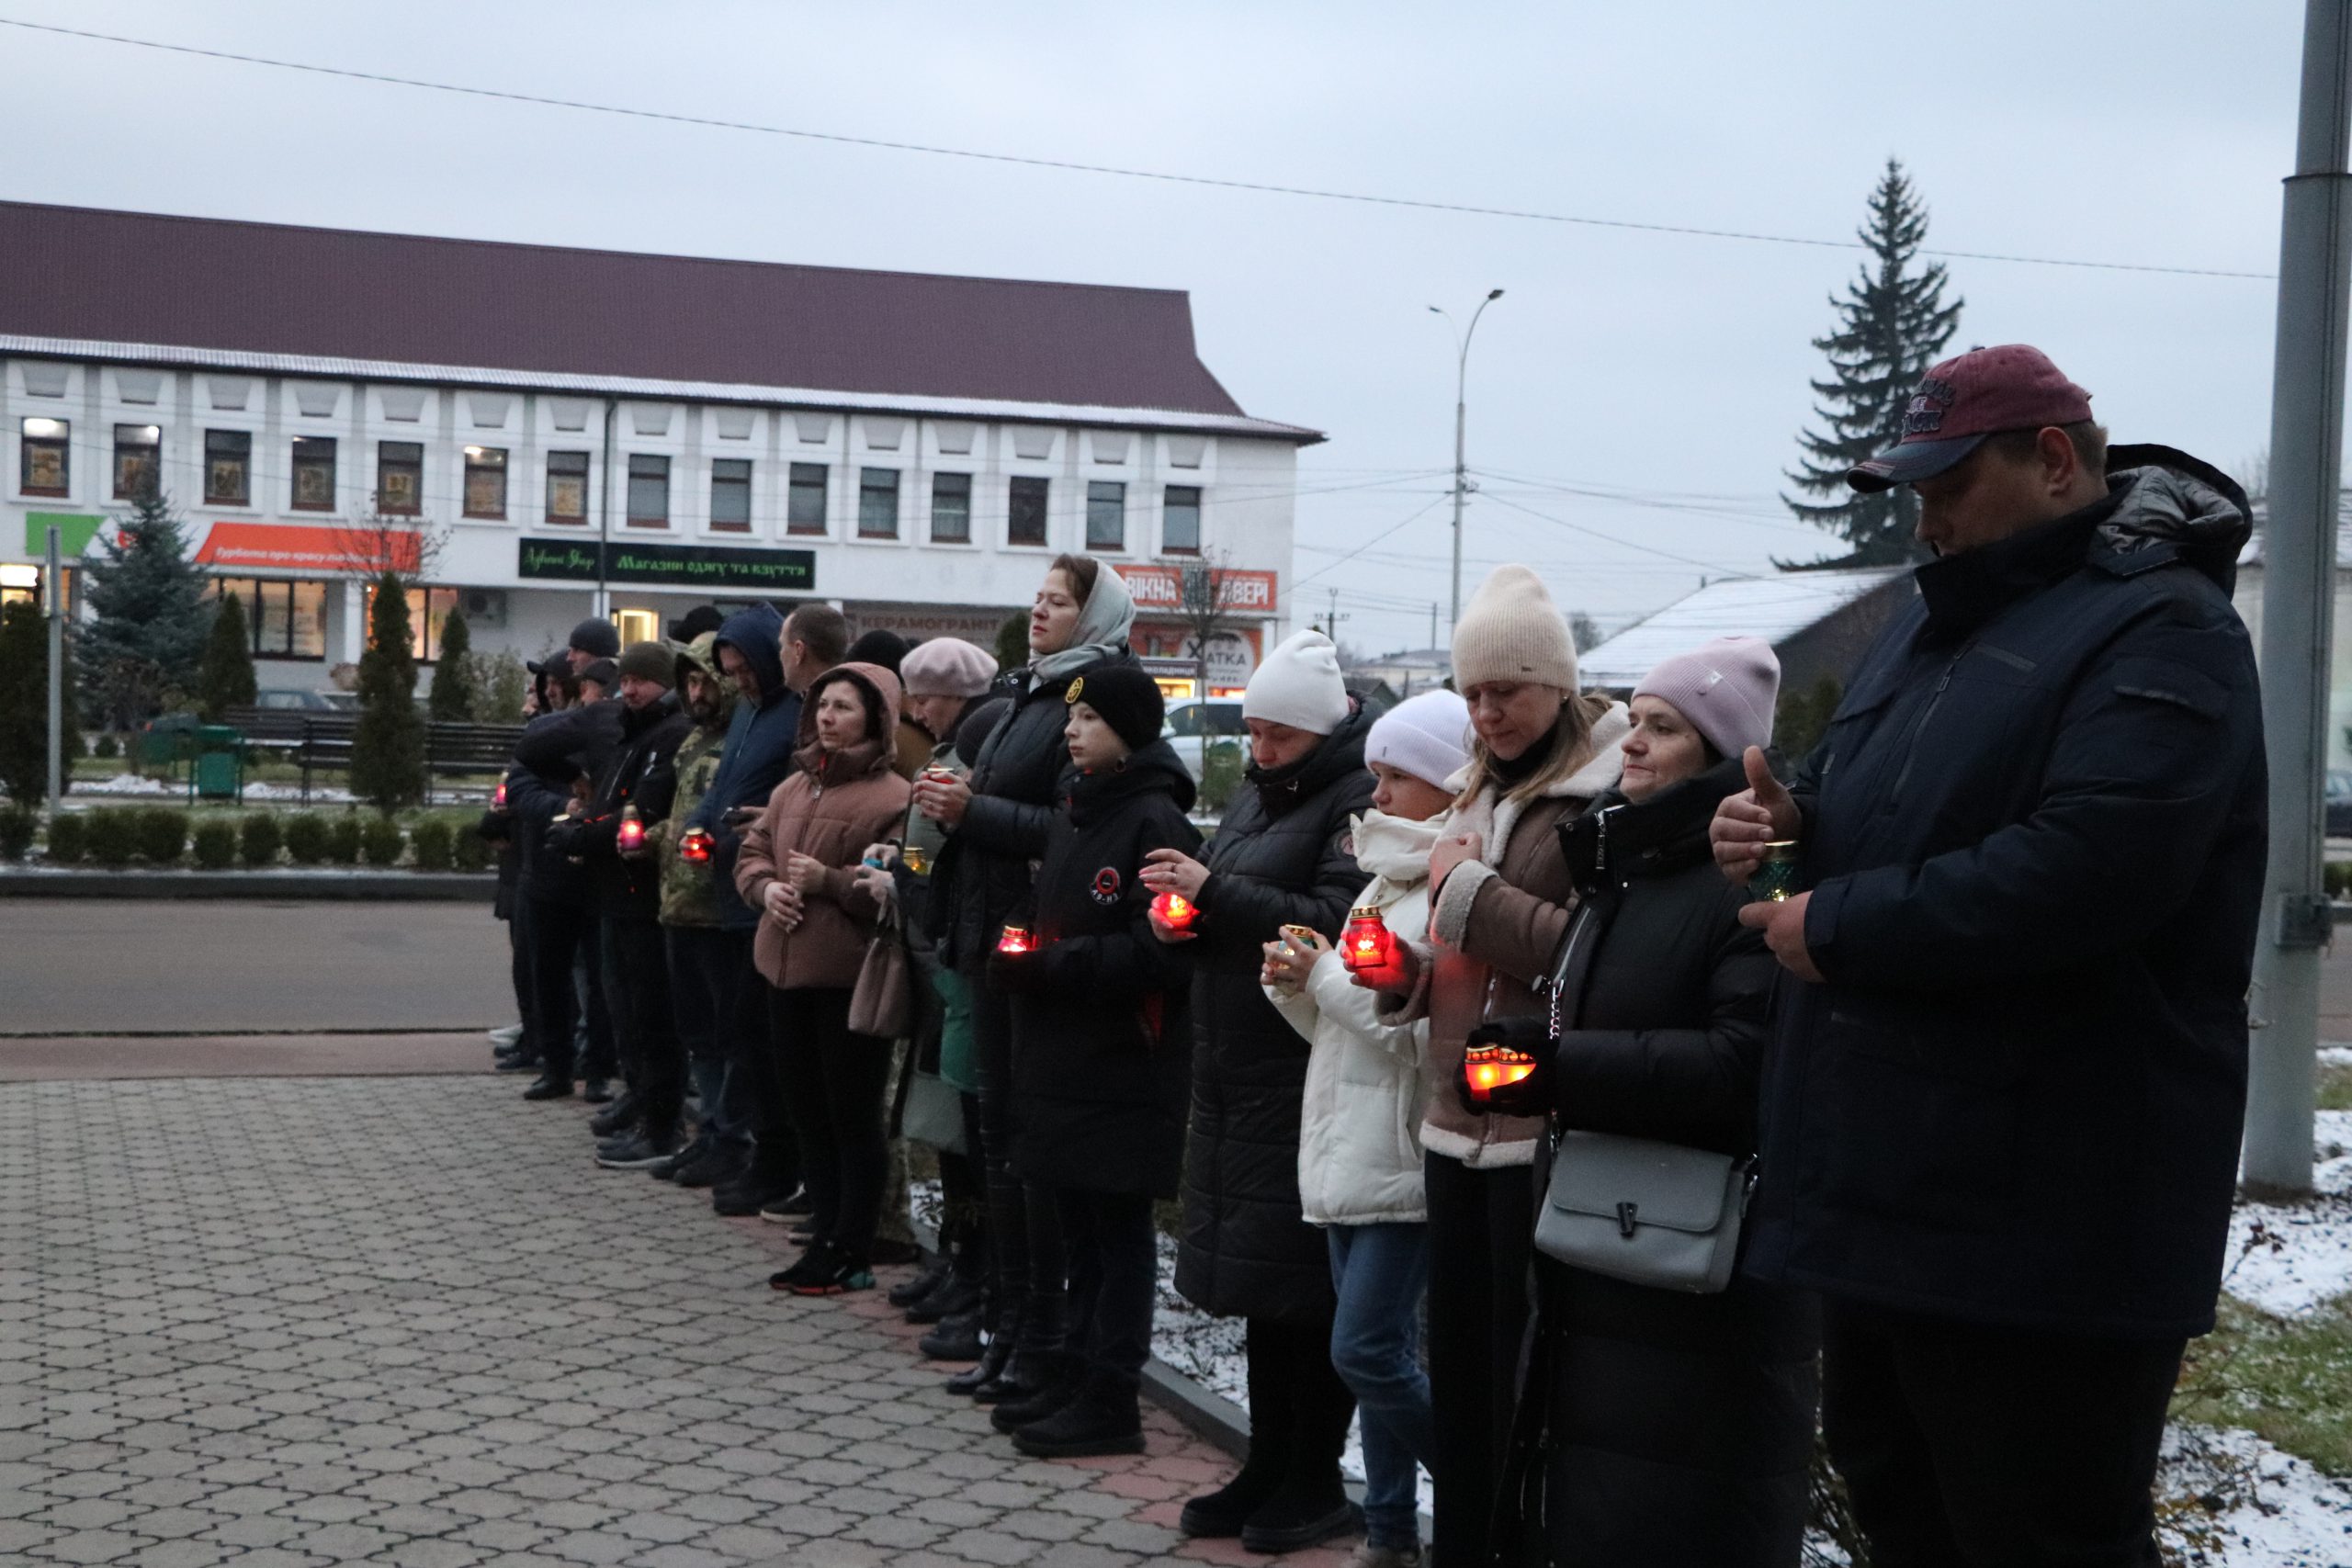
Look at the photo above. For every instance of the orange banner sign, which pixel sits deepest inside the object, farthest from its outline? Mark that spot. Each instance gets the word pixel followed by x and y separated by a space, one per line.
pixel 1162 588
pixel 286 546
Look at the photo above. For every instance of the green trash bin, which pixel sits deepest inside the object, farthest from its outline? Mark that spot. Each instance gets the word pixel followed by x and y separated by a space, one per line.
pixel 166 741
pixel 220 772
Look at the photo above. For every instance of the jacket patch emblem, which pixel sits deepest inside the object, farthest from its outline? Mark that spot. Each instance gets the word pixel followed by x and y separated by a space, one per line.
pixel 1106 890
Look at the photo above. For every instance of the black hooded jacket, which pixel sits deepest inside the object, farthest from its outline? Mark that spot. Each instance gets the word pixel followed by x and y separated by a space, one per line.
pixel 758 753
pixel 2035 835
pixel 554 750
pixel 639 774
pixel 1283 856
pixel 1103 1036
pixel 986 866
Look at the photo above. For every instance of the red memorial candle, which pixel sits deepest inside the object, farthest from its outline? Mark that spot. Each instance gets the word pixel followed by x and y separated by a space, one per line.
pixel 1367 943
pixel 1175 911
pixel 696 846
pixel 632 832
pixel 1015 940
pixel 1489 1068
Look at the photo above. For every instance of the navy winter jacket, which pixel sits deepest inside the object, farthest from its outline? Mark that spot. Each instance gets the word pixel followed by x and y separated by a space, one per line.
pixel 2035 835
pixel 757 754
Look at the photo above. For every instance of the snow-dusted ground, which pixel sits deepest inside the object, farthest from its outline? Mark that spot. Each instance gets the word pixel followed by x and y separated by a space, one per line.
pixel 259 790
pixel 2292 1257
pixel 2287 1515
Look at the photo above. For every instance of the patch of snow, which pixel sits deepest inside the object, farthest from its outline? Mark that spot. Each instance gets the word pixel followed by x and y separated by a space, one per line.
pixel 2288 1257
pixel 126 783
pixel 2279 1512
pixel 319 793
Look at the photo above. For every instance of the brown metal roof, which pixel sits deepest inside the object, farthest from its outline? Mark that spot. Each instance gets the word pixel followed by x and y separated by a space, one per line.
pixel 82 272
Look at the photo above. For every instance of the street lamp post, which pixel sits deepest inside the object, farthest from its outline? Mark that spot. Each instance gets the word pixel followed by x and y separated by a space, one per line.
pixel 1461 427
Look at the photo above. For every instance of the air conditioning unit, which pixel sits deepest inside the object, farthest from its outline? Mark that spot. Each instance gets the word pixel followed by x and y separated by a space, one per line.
pixel 485 606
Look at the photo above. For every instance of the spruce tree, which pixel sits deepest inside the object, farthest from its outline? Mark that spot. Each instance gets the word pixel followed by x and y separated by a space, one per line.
pixel 388 745
pixel 226 678
pixel 24 706
pixel 452 695
pixel 1892 324
pixel 145 638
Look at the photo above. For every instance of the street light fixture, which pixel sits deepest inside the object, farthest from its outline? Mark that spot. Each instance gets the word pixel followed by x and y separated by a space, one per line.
pixel 1460 468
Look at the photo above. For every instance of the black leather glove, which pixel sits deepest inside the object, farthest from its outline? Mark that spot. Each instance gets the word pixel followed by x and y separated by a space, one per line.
pixel 1014 972
pixel 1505 1070
pixel 568 839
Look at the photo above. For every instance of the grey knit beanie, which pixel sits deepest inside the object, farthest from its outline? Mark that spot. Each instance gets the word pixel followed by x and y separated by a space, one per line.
pixel 1513 631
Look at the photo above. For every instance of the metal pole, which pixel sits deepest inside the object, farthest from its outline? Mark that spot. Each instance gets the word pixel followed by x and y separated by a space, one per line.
pixel 1461 427
pixel 53 578
pixel 2298 600
pixel 603 604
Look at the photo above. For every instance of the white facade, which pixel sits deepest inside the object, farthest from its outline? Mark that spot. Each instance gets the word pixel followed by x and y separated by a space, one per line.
pixel 911 577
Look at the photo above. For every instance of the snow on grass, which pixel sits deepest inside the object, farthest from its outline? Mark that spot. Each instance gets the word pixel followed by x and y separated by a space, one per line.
pixel 2291 1257
pixel 2279 1512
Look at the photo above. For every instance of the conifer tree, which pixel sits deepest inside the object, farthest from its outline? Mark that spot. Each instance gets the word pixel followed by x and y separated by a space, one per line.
pixel 1892 324
pixel 452 694
pixel 388 745
pixel 142 647
pixel 24 706
pixel 226 678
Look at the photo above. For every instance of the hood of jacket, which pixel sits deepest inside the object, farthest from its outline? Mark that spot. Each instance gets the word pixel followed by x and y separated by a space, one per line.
pixel 1341 752
pixel 1615 840
pixel 1155 770
pixel 880 689
pixel 1395 850
pixel 2160 506
pixel 752 633
pixel 700 657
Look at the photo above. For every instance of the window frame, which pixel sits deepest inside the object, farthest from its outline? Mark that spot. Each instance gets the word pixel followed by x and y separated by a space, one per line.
pixel 954 477
pixel 478 462
pixel 153 446
pixel 1117 545
pixel 583 474
pixel 1168 506
pixel 252 593
pixel 424 625
pixel 216 443
pixel 869 487
pixel 1014 493
pixel 300 461
pixel 58 443
pixel 388 465
pixel 630 516
pixel 739 488
pixel 798 485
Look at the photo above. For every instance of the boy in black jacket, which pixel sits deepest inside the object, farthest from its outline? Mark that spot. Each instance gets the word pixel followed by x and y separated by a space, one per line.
pixel 1102 1056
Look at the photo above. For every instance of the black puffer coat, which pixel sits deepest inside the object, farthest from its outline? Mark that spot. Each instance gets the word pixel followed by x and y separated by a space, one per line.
pixel 1283 856
pixel 991 860
pixel 1678 1428
pixel 638 773
pixel 1103 1034
pixel 555 749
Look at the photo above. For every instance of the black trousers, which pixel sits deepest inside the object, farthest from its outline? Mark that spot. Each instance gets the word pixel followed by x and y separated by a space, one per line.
pixel 963 1198
pixel 518 974
pixel 1482 1240
pixel 702 1010
pixel 1029 1260
pixel 562 933
pixel 1299 1410
pixel 1114 1272
pixel 1965 1447
pixel 834 1083
pixel 637 988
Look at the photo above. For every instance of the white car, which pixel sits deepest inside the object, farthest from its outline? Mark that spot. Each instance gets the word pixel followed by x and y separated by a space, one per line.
pixel 1193 726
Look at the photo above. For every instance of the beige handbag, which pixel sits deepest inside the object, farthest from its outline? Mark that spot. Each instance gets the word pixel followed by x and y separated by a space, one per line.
pixel 883 1003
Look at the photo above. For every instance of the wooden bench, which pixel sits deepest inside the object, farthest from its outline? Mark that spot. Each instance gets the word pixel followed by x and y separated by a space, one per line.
pixel 317 741
pixel 458 751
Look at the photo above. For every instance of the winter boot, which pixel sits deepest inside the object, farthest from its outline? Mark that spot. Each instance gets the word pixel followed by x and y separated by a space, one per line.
pixel 950 1297
pixel 957 1339
pixel 621 1113
pixel 1060 1374
pixel 1098 1419
pixel 922 1285
pixel 1302 1513
pixel 721 1161
pixel 549 1086
pixel 1036 1360
pixel 993 1356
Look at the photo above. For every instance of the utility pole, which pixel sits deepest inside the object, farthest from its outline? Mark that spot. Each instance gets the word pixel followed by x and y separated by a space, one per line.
pixel 1461 430
pixel 1332 618
pixel 1432 622
pixel 54 580
pixel 2297 603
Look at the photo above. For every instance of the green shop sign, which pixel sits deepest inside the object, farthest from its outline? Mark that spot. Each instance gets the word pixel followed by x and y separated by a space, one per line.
pixel 686 566
pixel 74 532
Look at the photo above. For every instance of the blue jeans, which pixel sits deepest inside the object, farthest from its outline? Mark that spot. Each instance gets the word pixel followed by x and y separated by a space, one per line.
pixel 1380 1273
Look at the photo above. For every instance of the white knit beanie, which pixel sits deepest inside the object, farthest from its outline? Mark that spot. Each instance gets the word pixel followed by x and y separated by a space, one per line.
pixel 1513 631
pixel 1299 685
pixel 946 667
pixel 1428 737
pixel 1726 688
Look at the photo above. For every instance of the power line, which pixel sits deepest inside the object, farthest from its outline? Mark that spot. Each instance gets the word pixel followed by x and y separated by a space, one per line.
pixel 1411 516
pixel 1072 166
pixel 1709 567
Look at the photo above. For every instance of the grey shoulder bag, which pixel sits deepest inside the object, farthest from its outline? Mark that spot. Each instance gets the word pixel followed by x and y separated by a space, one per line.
pixel 1635 1209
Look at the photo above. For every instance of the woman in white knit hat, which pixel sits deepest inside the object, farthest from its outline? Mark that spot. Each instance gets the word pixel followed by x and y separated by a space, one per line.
pixel 1359 1145
pixel 1500 899
pixel 1283 856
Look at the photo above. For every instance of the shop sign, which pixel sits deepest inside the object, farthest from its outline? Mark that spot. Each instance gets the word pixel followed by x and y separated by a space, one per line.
pixel 973 623
pixel 74 532
pixel 1162 588
pixel 287 547
pixel 682 566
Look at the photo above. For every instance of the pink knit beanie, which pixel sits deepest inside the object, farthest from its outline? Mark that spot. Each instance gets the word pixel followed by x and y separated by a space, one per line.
pixel 1726 688
pixel 946 667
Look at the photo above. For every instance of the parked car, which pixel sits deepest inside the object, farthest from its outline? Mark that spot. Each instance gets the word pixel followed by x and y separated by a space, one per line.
pixel 2339 803
pixel 1195 726
pixel 311 701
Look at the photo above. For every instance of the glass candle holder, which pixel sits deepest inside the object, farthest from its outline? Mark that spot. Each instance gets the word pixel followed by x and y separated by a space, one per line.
pixel 1175 912
pixel 632 830
pixel 1015 940
pixel 1488 1067
pixel 696 846
pixel 914 859
pixel 1367 943
pixel 1775 879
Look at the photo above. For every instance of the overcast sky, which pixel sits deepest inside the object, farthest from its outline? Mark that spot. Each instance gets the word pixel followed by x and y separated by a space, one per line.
pixel 1650 367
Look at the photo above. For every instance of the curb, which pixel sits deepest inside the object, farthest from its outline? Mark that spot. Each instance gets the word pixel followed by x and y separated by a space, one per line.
pixel 389 887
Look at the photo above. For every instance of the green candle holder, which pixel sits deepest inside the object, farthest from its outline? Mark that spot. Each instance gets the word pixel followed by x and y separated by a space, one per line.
pixel 1776 880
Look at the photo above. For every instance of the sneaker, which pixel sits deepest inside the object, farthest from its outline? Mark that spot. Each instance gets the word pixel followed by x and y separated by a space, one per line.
pixel 747 1194
pixel 642 1153
pixel 692 1150
pixel 1370 1556
pixel 616 1117
pixel 811 1266
pixel 836 1274
pixel 506 1036
pixel 547 1085
pixel 518 1062
pixel 792 1206
pixel 718 1162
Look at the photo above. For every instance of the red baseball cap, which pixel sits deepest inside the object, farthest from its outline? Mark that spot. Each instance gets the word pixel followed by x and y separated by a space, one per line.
pixel 1966 399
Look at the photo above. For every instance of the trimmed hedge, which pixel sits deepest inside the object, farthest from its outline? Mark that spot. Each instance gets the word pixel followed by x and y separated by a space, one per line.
pixel 433 844
pixel 259 840
pixel 216 844
pixel 162 834
pixel 471 851
pixel 380 840
pixel 343 840
pixel 306 838
pixel 110 838
pixel 68 837
pixel 16 825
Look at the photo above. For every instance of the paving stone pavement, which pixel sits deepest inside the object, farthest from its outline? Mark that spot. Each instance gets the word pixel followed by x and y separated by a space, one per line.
pixel 286 1322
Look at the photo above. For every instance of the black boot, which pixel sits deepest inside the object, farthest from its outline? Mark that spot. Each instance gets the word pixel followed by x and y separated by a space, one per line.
pixel 922 1285
pixel 1100 1419
pixel 1309 1507
pixel 1302 1514
pixel 596 1091
pixel 998 1352
pixel 957 1339
pixel 943 1301
pixel 620 1113
pixel 549 1086
pixel 1059 1373
pixel 1273 1419
pixel 1036 1358
pixel 769 1177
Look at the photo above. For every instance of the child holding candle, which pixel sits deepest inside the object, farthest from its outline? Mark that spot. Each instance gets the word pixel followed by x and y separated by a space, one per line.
pixel 1102 1047
pixel 1359 1149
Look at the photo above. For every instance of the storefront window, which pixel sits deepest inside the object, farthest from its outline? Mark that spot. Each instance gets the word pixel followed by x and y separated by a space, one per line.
pixel 286 619
pixel 427 608
pixel 136 448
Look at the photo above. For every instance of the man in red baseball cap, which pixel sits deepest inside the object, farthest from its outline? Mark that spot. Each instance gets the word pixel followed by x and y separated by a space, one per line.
pixel 2000 1112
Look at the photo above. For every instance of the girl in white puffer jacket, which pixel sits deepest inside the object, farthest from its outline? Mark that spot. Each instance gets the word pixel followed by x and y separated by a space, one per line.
pixel 1358 1146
